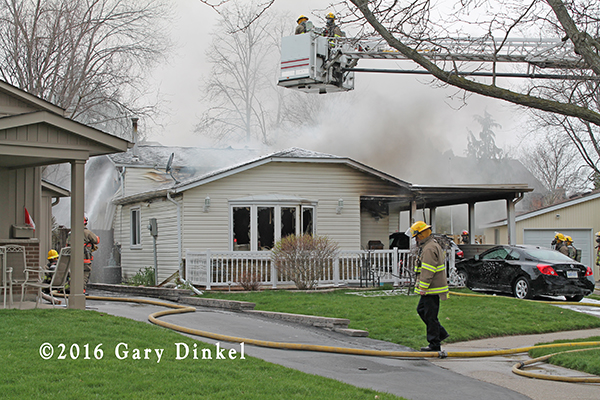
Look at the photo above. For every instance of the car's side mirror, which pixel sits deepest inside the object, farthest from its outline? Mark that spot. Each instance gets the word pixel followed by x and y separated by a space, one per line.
pixel 476 257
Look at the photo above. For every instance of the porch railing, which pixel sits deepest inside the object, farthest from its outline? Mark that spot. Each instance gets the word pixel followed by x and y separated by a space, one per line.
pixel 226 268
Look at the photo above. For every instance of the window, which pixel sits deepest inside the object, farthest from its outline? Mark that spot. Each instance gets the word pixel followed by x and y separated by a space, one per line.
pixel 257 227
pixel 136 228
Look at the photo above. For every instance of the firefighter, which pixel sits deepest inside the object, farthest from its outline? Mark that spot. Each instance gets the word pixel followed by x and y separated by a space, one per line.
pixel 598 248
pixel 331 28
pixel 90 244
pixel 432 283
pixel 50 267
pixel 465 237
pixel 559 243
pixel 304 25
pixel 571 250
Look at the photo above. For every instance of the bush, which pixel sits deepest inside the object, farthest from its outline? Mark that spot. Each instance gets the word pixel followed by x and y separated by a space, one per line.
pixel 250 280
pixel 144 277
pixel 304 259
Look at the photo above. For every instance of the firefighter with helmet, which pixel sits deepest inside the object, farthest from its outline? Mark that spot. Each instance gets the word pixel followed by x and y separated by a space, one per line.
pixel 304 25
pixel 90 244
pixel 571 250
pixel 559 243
pixel 432 283
pixel 331 28
pixel 50 267
pixel 465 237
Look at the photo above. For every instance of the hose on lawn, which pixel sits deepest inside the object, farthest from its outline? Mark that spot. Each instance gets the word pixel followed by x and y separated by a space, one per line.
pixel 179 309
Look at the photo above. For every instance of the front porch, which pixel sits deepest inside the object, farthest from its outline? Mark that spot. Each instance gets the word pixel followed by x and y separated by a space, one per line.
pixel 350 268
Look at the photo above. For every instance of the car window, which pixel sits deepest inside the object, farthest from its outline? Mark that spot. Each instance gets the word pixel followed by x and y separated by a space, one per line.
pixel 498 254
pixel 548 255
pixel 513 255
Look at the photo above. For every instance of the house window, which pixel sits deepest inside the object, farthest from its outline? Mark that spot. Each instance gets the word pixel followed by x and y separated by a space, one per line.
pixel 258 227
pixel 241 228
pixel 136 228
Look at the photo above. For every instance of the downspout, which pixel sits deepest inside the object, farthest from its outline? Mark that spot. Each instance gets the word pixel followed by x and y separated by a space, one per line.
pixel 55 202
pixel 180 244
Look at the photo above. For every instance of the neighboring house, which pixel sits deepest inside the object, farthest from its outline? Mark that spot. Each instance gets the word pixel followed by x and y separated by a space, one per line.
pixel 35 133
pixel 249 206
pixel 577 217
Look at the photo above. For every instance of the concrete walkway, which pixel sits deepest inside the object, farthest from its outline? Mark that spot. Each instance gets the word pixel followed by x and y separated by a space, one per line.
pixel 417 379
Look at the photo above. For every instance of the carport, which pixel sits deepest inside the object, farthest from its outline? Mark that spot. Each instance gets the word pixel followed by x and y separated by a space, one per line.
pixel 431 197
pixel 33 134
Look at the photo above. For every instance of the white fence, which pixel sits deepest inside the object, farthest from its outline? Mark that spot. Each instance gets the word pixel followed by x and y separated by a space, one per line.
pixel 225 268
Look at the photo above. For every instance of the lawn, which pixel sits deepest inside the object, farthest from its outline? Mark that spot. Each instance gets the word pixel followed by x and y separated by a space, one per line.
pixel 394 318
pixel 95 363
pixel 586 361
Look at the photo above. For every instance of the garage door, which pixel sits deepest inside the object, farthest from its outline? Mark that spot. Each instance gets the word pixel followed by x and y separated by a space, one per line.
pixel 582 239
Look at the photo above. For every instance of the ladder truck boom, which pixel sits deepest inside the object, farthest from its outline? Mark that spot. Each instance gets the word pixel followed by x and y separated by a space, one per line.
pixel 316 64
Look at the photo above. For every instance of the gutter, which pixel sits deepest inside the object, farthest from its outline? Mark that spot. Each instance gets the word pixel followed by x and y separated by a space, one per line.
pixel 180 244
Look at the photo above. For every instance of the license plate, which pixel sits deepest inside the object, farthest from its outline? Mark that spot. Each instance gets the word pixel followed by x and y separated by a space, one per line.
pixel 571 274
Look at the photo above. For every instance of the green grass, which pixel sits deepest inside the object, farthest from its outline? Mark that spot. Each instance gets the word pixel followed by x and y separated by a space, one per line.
pixel 25 375
pixel 586 361
pixel 394 318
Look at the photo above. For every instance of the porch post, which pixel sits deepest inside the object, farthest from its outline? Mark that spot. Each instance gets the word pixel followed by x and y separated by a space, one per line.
pixel 336 271
pixel 76 296
pixel 395 269
pixel 510 222
pixel 413 212
pixel 208 269
pixel 471 223
pixel 273 275
pixel 432 219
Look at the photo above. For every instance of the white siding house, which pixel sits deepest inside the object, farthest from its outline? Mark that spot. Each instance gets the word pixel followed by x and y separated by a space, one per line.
pixel 251 205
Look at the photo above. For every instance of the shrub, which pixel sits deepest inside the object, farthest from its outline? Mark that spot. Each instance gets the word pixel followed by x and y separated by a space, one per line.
pixel 250 280
pixel 144 277
pixel 304 259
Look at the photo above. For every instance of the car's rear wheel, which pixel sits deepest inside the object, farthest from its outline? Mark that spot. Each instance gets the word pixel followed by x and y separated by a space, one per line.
pixel 522 288
pixel 462 278
pixel 577 298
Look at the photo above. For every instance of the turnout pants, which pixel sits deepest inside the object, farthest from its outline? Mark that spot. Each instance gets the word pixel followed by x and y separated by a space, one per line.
pixel 428 309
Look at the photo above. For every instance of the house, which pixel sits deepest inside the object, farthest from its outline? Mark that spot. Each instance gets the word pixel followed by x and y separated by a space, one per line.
pixel 35 133
pixel 247 207
pixel 577 217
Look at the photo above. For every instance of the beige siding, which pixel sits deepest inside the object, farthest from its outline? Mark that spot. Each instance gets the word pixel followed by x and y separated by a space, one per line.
pixel 137 180
pixel 132 260
pixel 11 105
pixel 372 229
pixel 320 182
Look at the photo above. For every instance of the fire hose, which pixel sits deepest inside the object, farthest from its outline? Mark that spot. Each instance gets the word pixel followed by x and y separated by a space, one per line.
pixel 517 368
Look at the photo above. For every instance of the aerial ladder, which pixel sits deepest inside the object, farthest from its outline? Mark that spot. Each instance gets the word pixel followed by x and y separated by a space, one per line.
pixel 313 63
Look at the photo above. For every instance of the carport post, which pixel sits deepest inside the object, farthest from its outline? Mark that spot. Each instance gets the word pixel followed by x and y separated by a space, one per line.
pixel 510 221
pixel 76 297
pixel 432 219
pixel 471 223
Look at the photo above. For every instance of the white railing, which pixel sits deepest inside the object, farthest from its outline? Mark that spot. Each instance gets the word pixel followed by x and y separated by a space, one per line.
pixel 226 268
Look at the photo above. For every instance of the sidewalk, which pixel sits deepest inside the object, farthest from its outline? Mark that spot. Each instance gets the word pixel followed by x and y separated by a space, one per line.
pixel 497 370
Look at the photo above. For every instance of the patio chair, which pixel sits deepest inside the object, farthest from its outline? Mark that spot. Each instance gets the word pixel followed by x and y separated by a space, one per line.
pixel 15 259
pixel 5 277
pixel 59 278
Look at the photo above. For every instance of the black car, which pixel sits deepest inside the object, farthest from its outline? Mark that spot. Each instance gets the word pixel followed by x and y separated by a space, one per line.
pixel 526 271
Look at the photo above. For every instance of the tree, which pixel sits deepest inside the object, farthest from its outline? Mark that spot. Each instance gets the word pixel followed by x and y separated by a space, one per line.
pixel 553 161
pixel 86 56
pixel 238 89
pixel 484 147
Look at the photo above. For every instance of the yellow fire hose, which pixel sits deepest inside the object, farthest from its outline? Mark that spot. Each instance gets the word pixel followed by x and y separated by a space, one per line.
pixel 178 309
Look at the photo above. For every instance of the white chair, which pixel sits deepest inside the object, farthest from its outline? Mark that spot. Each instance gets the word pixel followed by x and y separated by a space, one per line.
pixel 59 277
pixel 5 277
pixel 15 259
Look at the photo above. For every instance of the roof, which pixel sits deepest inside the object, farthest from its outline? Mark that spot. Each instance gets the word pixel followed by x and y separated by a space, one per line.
pixel 54 189
pixel 427 196
pixel 582 198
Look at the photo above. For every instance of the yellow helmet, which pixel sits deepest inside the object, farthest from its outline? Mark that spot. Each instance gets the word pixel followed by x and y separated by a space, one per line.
pixel 300 18
pixel 52 254
pixel 417 228
pixel 330 16
pixel 598 233
pixel 559 236
pixel 568 239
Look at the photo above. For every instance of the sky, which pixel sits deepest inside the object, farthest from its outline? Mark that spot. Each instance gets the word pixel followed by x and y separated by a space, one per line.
pixel 383 109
